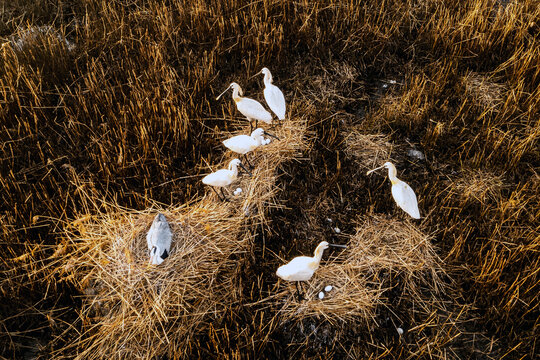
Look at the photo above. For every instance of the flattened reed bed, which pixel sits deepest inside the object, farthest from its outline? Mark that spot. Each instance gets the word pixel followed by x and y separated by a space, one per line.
pixel 382 253
pixel 259 190
pixel 368 150
pixel 133 309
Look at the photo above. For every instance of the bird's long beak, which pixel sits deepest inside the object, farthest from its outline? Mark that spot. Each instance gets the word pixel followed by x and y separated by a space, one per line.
pixel 274 136
pixel 246 170
pixel 370 171
pixel 339 246
pixel 251 77
pixel 220 95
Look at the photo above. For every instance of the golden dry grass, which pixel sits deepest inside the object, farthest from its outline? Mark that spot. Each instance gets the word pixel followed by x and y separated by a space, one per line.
pixel 134 309
pixel 126 119
pixel 382 250
pixel 131 308
pixel 368 150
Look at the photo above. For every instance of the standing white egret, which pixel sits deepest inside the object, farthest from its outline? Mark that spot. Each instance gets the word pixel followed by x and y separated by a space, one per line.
pixel 252 109
pixel 273 96
pixel 159 239
pixel 242 144
pixel 224 177
pixel 302 268
pixel 401 192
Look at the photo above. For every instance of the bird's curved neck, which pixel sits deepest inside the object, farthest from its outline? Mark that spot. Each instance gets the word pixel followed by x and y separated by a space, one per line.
pixel 392 174
pixel 236 94
pixel 267 78
pixel 318 254
pixel 234 169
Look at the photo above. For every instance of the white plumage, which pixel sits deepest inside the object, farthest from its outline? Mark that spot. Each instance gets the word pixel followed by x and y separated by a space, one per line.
pixel 406 198
pixel 402 193
pixel 251 109
pixel 159 239
pixel 273 95
pixel 224 177
pixel 302 268
pixel 242 144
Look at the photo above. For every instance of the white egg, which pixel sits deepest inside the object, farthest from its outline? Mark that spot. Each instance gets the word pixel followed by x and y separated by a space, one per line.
pixel 328 288
pixel 321 295
pixel 337 230
pixel 400 331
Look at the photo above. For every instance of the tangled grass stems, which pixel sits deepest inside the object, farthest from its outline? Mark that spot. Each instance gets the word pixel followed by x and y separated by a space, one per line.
pixel 128 116
pixel 133 309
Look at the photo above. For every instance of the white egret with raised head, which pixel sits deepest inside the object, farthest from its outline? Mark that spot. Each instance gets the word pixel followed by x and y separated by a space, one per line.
pixel 273 95
pixel 251 109
pixel 302 268
pixel 402 193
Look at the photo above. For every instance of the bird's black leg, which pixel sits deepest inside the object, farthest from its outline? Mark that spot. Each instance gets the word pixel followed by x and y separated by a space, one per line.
pixel 250 126
pixel 256 123
pixel 224 197
pixel 247 161
pixel 219 196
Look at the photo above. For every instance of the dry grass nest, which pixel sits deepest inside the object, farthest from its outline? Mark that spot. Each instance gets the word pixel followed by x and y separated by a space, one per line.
pixel 135 310
pixel 368 150
pixel 478 185
pixel 485 93
pixel 383 252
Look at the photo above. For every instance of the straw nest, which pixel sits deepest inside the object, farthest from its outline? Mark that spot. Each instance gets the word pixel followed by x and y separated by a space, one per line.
pixel 368 150
pixel 382 253
pixel 477 186
pixel 485 93
pixel 131 309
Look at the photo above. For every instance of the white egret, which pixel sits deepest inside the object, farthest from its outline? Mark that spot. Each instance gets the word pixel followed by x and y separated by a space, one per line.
pixel 302 268
pixel 273 96
pixel 159 239
pixel 251 109
pixel 242 144
pixel 224 177
pixel 401 191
